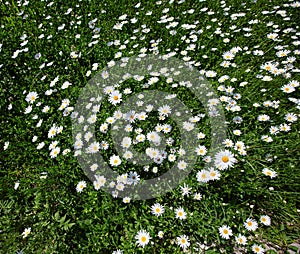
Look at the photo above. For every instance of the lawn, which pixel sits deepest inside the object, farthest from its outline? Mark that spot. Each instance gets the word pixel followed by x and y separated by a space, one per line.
pixel 149 127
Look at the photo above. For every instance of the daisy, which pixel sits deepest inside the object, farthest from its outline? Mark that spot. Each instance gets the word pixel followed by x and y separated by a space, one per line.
pixel 142 238
pixel 152 153
pixel 183 241
pixel 274 130
pixel 108 89
pixel 110 120
pixel 240 239
pixel 166 128
pixel 126 142
pixel 160 234
pixel 128 155
pixel 263 118
pixel 225 232
pixel 115 97
pixel 270 173
pixel 182 165
pixel 251 224
pixel 285 127
pixel 224 159
pixel 104 145
pixel 31 97
pixel 103 127
pixel 186 190
pixel 157 209
pixel 104 74
pixel 258 249
pixel 52 132
pixel 188 126
pixel 201 150
pixel 53 145
pixel 26 232
pixel 120 186
pixel 101 180
pixel 115 160
pixel 153 136
pixel 237 132
pixel 93 148
pixel 54 152
pixel 239 145
pixel 203 176
pixel 142 116
pixel 96 185
pixel 159 159
pixel 80 186
pixel 130 116
pixel 180 213
pixel 294 83
pixel 126 200
pixel 118 114
pixel 288 89
pixel 128 128
pixel 46 109
pixel 171 157
pixel 228 143
pixel 93 167
pixel 214 174
pixel 117 252
pixel 197 196
pixel 140 138
pixel 164 110
pixel 266 138
pixel 40 145
pixel 291 117
pixel 265 219
pixel 132 178
pixel 228 55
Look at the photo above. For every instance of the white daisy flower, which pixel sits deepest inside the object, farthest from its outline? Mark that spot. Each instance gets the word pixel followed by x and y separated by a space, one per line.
pixel 225 232
pixel 183 241
pixel 265 219
pixel 142 238
pixel 251 224
pixel 115 160
pixel 224 159
pixel 180 213
pixel 157 209
pixel 80 186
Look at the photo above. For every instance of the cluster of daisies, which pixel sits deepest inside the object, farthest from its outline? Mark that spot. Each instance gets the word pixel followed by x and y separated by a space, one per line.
pixel 132 135
pixel 250 225
pixel 143 237
pixel 142 41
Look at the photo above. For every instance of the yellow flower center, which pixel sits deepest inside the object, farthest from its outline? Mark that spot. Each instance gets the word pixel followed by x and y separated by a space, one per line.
pixel 225 159
pixel 143 239
pixel 225 231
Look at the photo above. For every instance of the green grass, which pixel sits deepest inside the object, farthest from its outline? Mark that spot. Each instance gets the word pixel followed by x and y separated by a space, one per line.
pixel 63 220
